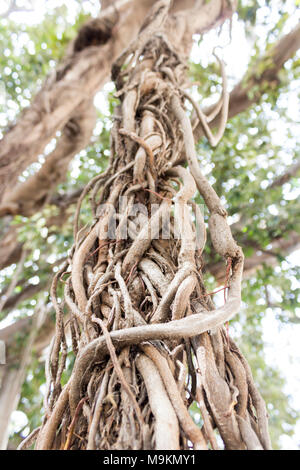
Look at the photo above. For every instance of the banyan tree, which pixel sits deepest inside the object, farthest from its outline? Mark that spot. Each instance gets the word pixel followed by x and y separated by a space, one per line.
pixel 147 339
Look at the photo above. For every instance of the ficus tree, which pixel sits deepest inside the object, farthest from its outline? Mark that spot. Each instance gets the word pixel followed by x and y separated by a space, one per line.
pixel 139 346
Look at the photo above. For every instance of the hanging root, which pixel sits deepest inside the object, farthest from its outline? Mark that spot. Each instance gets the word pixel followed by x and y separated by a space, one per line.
pixel 146 338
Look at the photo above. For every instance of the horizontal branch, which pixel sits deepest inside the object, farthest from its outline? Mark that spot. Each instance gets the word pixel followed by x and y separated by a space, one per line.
pixel 27 292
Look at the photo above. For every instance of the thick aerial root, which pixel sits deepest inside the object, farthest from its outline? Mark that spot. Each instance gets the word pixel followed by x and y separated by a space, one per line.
pixel 166 423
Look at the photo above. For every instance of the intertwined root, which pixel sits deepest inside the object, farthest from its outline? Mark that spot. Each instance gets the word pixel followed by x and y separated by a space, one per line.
pixel 146 336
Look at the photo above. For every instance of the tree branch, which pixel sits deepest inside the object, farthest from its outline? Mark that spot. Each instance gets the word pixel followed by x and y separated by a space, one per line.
pixel 286 176
pixel 29 197
pixel 240 99
pixel 27 292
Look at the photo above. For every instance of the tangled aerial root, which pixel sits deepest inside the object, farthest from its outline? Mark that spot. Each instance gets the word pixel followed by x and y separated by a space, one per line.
pixel 146 336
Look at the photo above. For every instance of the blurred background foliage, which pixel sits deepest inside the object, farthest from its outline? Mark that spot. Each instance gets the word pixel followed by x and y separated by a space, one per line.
pixel 258 145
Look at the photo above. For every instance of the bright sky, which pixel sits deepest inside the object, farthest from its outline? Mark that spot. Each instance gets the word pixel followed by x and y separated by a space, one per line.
pixel 285 353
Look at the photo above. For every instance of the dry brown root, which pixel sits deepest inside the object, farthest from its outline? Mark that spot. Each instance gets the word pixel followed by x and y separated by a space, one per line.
pixel 146 336
pixel 191 430
pixel 166 423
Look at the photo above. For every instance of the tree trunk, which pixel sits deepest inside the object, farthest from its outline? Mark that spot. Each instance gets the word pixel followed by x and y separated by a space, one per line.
pixel 147 338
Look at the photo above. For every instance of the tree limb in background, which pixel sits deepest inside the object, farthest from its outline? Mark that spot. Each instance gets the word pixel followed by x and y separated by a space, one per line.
pixel 288 174
pixel 14 8
pixel 274 59
pixel 83 72
pixel 239 101
pixel 29 197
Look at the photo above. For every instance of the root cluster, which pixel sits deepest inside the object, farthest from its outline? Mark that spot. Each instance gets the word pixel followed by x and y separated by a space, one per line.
pixel 146 337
